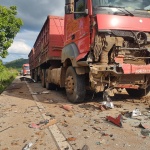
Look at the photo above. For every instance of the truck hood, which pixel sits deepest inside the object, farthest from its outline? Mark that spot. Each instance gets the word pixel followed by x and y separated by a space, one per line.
pixel 108 22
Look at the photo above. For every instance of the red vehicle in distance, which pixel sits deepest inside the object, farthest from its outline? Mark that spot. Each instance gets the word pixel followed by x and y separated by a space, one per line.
pixel 25 69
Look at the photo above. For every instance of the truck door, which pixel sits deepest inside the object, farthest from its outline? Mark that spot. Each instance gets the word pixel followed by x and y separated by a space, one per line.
pixel 78 26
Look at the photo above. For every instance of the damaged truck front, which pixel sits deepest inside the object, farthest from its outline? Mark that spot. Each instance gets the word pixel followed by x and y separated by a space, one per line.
pixel 106 45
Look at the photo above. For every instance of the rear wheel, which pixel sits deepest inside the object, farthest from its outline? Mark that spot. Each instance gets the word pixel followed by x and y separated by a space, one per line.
pixel 138 92
pixel 75 86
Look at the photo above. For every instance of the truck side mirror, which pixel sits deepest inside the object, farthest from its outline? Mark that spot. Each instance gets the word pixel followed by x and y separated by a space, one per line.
pixel 86 11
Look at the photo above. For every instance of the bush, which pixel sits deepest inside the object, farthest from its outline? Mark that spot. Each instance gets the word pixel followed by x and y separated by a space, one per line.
pixel 6 76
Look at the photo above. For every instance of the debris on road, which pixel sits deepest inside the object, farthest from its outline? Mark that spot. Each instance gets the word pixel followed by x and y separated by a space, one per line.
pixel 45 92
pixel 51 122
pixel 33 125
pixel 108 104
pixel 43 122
pixel 71 139
pixel 116 121
pixel 27 146
pixel 27 79
pixel 144 126
pixel 67 107
pixel 136 112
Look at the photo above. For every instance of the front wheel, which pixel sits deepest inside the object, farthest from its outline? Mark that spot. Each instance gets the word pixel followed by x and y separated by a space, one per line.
pixel 75 86
pixel 138 92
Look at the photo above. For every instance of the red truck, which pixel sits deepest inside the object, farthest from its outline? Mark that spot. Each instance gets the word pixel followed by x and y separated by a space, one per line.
pixel 99 45
pixel 25 69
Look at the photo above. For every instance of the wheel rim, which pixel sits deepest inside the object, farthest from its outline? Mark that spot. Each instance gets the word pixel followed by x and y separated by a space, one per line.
pixel 69 85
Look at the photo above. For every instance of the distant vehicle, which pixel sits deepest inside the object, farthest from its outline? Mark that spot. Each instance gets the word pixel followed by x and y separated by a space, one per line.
pixel 25 69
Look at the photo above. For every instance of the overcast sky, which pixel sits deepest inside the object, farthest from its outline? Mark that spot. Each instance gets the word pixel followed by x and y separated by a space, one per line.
pixel 33 13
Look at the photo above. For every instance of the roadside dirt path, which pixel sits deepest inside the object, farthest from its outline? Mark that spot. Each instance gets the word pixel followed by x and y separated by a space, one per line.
pixel 23 104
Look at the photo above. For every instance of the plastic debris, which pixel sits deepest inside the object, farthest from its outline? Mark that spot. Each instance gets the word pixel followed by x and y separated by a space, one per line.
pixel 33 125
pixel 67 107
pixel 136 112
pixel 27 146
pixel 108 104
pixel 116 121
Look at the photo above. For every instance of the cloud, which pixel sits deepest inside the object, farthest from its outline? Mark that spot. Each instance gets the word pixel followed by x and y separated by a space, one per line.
pixel 33 13
pixel 19 47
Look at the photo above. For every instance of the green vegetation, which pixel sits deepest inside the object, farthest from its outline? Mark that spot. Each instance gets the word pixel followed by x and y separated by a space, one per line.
pixel 17 64
pixel 6 76
pixel 9 27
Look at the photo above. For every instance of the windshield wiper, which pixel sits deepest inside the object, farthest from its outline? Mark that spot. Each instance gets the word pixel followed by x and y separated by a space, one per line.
pixel 126 11
pixel 117 7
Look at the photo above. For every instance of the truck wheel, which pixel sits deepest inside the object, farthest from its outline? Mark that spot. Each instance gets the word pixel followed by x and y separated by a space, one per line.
pixel 75 86
pixel 137 92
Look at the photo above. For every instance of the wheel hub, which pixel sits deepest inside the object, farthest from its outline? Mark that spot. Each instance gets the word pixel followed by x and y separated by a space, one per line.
pixel 69 84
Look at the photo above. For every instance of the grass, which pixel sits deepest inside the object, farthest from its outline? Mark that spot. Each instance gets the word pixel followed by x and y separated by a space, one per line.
pixel 6 77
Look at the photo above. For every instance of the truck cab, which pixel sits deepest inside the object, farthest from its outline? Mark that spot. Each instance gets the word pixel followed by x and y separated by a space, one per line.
pixel 107 45
pixel 25 69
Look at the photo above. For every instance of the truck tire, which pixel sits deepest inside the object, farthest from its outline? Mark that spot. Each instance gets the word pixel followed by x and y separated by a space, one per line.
pixel 75 86
pixel 137 93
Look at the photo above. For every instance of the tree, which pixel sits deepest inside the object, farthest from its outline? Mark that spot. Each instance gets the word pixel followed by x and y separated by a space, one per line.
pixel 9 27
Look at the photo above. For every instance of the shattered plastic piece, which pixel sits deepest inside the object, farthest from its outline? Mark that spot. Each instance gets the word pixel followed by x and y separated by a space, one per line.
pixel 33 125
pixel 136 113
pixel 116 121
pixel 85 147
pixel 67 107
pixel 27 146
pixel 108 104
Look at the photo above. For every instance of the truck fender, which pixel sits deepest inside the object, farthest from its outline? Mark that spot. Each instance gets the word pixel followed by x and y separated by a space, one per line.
pixel 70 52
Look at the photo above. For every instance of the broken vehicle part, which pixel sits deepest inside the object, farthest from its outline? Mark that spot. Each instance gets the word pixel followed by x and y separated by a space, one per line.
pixel 116 121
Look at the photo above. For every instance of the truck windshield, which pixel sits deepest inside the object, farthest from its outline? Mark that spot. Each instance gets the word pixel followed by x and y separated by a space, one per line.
pixel 134 4
pixel 26 67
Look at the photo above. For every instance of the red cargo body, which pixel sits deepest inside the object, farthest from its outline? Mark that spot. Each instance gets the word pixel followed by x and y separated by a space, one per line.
pixel 49 42
pixel 31 59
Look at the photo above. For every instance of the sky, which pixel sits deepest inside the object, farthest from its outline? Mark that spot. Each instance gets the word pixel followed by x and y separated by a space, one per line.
pixel 33 13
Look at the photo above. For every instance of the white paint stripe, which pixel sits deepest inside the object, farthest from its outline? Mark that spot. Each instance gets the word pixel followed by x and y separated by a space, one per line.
pixel 54 130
